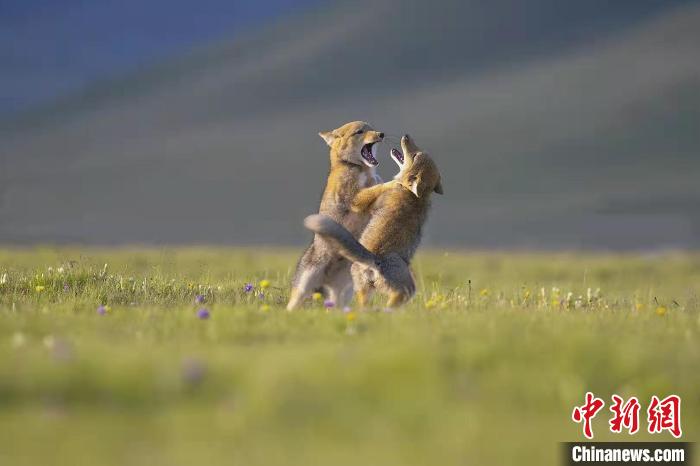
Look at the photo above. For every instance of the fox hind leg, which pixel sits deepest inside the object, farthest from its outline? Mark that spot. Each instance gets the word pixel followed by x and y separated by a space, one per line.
pixel 339 295
pixel 345 296
pixel 339 285
pixel 362 283
pixel 397 298
pixel 363 296
pixel 309 280
pixel 295 298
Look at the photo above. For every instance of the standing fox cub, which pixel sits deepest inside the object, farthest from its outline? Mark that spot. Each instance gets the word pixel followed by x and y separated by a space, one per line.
pixel 353 162
pixel 398 210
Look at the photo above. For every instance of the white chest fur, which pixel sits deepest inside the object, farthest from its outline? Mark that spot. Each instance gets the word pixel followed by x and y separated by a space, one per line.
pixel 368 178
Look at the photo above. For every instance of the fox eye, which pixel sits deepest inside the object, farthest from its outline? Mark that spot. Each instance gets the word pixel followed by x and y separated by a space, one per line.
pixel 412 178
pixel 359 131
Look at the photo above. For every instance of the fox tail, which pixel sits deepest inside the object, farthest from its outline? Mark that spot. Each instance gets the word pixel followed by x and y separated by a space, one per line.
pixel 347 245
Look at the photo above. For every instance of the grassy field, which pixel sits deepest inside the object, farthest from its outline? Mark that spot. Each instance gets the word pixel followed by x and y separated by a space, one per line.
pixel 105 358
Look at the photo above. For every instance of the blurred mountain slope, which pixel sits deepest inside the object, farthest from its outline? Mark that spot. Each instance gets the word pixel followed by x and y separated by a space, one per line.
pixel 554 126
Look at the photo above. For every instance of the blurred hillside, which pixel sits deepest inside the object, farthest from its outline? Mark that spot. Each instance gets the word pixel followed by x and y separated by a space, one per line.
pixel 555 125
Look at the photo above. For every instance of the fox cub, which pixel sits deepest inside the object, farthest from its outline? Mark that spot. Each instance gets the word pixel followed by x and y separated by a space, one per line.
pixel 398 209
pixel 353 161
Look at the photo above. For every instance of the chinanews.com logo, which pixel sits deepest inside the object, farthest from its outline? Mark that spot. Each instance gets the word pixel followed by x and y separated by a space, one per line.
pixel 660 415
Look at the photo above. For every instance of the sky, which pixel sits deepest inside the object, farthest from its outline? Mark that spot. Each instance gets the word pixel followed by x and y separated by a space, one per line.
pixel 556 123
pixel 50 48
pixel 53 48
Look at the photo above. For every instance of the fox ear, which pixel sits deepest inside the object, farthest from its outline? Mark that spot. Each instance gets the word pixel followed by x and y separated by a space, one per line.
pixel 327 136
pixel 414 187
pixel 438 187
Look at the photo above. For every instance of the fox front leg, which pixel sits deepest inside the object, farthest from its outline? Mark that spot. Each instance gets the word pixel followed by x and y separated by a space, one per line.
pixel 366 197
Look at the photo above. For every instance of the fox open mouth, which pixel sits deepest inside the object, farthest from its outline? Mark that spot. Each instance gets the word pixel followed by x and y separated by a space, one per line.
pixel 397 155
pixel 369 154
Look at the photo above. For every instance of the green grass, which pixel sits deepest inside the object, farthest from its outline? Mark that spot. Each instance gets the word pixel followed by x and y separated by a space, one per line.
pixel 479 369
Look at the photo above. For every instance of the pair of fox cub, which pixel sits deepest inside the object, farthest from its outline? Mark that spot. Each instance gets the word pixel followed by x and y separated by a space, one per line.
pixel 366 232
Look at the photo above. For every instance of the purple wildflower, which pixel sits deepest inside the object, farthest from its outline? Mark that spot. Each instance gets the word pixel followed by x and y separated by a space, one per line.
pixel 101 310
pixel 248 287
pixel 199 299
pixel 66 287
pixel 203 313
pixel 193 371
pixel 261 295
pixel 328 303
pixel 347 309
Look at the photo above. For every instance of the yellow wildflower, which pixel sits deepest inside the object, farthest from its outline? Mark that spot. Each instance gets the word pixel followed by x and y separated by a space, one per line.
pixel 264 284
pixel 265 307
pixel 484 292
pixel 317 296
pixel 351 316
pixel 661 311
pixel 39 288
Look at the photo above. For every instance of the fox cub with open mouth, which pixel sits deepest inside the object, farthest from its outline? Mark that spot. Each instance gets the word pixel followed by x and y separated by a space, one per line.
pixel 353 162
pixel 398 209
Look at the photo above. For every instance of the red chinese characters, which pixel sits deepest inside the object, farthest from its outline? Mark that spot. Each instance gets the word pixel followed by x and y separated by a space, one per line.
pixel 662 415
pixel 624 415
pixel 587 412
pixel 665 415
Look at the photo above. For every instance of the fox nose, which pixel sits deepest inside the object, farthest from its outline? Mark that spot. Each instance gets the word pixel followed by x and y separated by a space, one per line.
pixel 381 135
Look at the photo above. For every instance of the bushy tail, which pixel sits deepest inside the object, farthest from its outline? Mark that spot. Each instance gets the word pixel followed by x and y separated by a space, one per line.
pixel 347 245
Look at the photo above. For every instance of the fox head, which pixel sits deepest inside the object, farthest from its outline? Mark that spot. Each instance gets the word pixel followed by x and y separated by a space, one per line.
pixel 354 142
pixel 417 171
